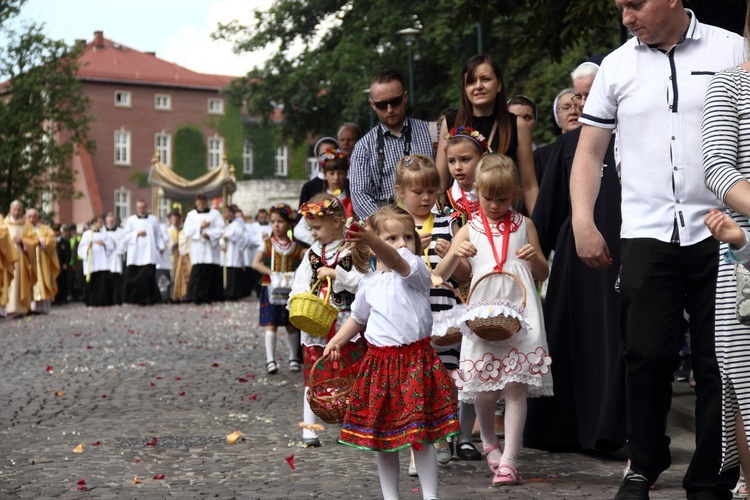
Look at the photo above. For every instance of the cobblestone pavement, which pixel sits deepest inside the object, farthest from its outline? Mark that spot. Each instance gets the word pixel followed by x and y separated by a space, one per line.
pixel 151 392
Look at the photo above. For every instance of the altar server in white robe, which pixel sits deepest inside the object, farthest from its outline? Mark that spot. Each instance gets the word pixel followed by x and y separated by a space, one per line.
pixel 144 243
pixel 204 228
pixel 95 250
pixel 116 256
pixel 233 253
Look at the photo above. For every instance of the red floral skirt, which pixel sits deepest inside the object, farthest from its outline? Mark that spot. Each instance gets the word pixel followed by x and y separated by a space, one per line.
pixel 402 395
pixel 351 353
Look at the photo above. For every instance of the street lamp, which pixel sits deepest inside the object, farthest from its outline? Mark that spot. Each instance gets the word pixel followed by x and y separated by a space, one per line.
pixel 410 36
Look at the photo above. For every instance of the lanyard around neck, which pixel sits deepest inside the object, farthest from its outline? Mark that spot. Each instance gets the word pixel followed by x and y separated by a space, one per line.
pixel 506 233
pixel 427 226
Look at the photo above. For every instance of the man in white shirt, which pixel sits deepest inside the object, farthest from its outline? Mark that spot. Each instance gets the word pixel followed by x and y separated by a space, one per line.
pixel 144 243
pixel 260 231
pixel 204 227
pixel 652 90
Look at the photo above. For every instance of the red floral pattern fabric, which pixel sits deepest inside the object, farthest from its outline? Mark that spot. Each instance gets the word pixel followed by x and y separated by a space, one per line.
pixel 402 395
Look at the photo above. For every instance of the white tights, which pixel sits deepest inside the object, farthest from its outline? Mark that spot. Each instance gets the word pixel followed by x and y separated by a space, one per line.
pixel 515 419
pixel 308 417
pixel 427 468
pixel 271 338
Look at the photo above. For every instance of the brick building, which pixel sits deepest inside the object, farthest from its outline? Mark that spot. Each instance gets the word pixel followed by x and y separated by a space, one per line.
pixel 138 101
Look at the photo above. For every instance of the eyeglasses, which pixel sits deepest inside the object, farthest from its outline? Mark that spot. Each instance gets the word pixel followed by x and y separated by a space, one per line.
pixel 383 105
pixel 580 97
pixel 568 108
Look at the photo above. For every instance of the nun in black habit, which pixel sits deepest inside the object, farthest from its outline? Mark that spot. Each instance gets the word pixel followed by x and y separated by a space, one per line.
pixel 582 317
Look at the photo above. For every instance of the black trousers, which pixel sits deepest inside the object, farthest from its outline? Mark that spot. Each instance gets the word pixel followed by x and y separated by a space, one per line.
pixel 658 283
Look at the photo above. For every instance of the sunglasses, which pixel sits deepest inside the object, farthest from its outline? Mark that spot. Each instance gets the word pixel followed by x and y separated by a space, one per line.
pixel 383 105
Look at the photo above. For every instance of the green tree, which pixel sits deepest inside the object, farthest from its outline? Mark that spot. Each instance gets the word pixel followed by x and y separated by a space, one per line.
pixel 328 49
pixel 189 152
pixel 43 116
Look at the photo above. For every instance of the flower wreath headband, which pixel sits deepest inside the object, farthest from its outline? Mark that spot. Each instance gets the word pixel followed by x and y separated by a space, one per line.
pixel 284 210
pixel 472 134
pixel 331 154
pixel 320 209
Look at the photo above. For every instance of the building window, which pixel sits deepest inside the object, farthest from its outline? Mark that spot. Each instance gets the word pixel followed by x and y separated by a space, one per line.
pixel 282 163
pixel 216 106
pixel 122 203
pixel 122 147
pixel 122 99
pixel 163 145
pixel 247 157
pixel 164 204
pixel 163 101
pixel 312 164
pixel 215 151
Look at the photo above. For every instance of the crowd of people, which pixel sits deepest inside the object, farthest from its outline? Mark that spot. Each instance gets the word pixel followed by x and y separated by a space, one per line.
pixel 602 249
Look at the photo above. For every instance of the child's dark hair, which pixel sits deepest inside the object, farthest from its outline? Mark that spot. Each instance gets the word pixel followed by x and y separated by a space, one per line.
pixel 284 210
pixel 497 177
pixel 417 171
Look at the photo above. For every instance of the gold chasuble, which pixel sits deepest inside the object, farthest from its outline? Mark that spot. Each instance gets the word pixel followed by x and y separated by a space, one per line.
pixel 48 264
pixel 8 258
pixel 24 276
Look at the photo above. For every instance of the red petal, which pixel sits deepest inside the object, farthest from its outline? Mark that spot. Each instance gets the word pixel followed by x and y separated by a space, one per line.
pixel 252 397
pixel 104 395
pixel 241 379
pixel 159 378
pixel 290 461
pixel 215 365
pixel 181 393
pixel 81 481
pixel 89 347
pixel 160 476
pixel 96 443
pixel 150 383
pixel 178 378
pixel 243 439
pixel 151 442
pixel 49 368
pixel 82 488
pixel 417 446
pixel 138 460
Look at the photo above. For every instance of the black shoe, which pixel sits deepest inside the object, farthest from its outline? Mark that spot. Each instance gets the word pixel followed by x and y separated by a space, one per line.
pixel 272 367
pixel 633 487
pixel 467 451
pixel 311 442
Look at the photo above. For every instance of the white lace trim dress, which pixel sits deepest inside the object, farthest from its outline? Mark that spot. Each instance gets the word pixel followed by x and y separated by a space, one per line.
pixel 489 366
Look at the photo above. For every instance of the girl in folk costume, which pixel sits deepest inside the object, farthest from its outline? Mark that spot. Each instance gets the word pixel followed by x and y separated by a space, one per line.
pixel 402 395
pixel 517 368
pixel 278 254
pixel 417 186
pixel 464 149
pixel 95 250
pixel 328 257
pixel 335 167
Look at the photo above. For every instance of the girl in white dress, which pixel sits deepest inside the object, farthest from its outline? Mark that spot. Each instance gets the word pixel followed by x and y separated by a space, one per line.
pixel 517 368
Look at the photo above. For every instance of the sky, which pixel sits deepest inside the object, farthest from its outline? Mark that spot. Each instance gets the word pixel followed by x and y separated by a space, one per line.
pixel 177 30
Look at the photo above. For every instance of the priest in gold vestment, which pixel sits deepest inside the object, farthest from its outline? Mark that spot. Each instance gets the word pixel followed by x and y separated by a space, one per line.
pixel 25 241
pixel 47 264
pixel 8 258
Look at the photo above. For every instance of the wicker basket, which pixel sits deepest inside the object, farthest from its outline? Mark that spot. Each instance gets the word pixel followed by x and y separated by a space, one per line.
pixel 453 334
pixel 500 327
pixel 310 313
pixel 329 399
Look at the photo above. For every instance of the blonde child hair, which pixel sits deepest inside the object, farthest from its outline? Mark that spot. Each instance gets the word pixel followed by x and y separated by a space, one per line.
pixel 497 177
pixel 416 171
pixel 323 205
pixel 392 212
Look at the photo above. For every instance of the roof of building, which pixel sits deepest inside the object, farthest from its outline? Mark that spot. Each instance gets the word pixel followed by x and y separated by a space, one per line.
pixel 106 60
